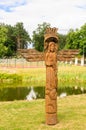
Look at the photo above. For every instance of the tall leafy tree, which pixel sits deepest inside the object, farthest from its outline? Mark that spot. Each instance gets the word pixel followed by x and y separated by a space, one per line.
pixel 10 43
pixel 77 39
pixel 3 39
pixel 70 39
pixel 3 50
pixel 3 33
pixel 62 41
pixel 83 39
pixel 38 36
pixel 21 35
pixel 13 38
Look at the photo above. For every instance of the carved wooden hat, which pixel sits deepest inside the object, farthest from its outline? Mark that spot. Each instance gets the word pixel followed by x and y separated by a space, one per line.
pixel 51 35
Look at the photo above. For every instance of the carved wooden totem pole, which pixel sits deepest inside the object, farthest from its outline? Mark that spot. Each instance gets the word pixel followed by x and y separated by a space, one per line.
pixel 50 54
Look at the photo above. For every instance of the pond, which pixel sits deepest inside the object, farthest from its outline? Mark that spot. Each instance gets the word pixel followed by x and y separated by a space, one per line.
pixel 30 93
pixel 21 93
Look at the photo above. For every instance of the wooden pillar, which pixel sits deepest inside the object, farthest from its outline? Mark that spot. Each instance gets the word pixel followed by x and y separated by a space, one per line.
pixel 50 49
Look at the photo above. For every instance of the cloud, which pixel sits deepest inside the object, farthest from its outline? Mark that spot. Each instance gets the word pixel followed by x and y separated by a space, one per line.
pixel 82 7
pixel 9 6
pixel 63 14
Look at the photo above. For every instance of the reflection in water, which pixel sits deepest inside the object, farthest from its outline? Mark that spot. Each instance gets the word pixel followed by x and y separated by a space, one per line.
pixel 62 95
pixel 31 95
pixel 21 93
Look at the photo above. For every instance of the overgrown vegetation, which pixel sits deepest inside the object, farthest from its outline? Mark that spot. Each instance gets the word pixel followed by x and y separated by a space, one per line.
pixel 4 77
pixel 67 75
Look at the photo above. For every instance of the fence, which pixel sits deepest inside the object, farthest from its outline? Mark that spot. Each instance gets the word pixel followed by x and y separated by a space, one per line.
pixel 22 63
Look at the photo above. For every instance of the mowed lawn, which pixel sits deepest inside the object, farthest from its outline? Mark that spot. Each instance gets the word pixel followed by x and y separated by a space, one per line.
pixel 30 115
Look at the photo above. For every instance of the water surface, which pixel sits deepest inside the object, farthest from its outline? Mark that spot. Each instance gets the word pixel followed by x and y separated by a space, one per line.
pixel 23 93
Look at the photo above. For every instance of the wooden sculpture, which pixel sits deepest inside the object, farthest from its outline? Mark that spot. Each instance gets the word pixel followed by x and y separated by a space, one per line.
pixel 50 54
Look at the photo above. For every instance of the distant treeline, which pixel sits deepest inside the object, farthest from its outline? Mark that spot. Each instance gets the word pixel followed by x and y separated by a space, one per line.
pixel 16 37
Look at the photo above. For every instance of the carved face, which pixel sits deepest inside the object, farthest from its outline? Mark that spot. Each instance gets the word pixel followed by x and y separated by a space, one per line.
pixel 52 46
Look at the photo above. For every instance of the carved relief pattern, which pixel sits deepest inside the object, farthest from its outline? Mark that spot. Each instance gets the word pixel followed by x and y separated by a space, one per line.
pixel 51 77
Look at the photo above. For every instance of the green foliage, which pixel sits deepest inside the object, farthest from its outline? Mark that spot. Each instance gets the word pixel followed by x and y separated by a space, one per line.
pixel 83 39
pixel 10 52
pixel 77 39
pixel 21 35
pixel 3 33
pixel 67 75
pixel 11 41
pixel 13 38
pixel 3 50
pixel 62 41
pixel 38 36
pixel 4 77
pixel 16 37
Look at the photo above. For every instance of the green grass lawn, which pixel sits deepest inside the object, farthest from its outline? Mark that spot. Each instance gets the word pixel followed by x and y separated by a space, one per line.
pixel 30 115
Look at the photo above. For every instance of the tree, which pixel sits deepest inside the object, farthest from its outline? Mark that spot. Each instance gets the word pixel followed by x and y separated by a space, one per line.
pixel 83 39
pixel 21 35
pixel 77 39
pixel 10 43
pixel 62 41
pixel 7 40
pixel 3 39
pixel 3 33
pixel 70 39
pixel 13 38
pixel 3 50
pixel 38 36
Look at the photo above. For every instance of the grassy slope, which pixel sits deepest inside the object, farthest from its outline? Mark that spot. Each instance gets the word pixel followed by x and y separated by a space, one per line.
pixel 25 115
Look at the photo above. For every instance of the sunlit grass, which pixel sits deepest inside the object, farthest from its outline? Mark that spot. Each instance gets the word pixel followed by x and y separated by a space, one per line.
pixel 67 74
pixel 25 115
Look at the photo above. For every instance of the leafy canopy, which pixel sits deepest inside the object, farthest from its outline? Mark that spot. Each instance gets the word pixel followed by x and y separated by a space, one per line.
pixel 38 36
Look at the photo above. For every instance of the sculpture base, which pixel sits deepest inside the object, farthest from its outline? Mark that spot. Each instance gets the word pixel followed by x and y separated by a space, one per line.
pixel 51 119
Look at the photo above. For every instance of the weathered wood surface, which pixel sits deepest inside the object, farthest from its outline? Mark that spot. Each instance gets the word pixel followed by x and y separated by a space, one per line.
pixel 50 57
pixel 34 55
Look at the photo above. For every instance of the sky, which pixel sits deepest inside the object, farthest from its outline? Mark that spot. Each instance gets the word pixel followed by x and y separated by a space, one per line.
pixel 62 14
